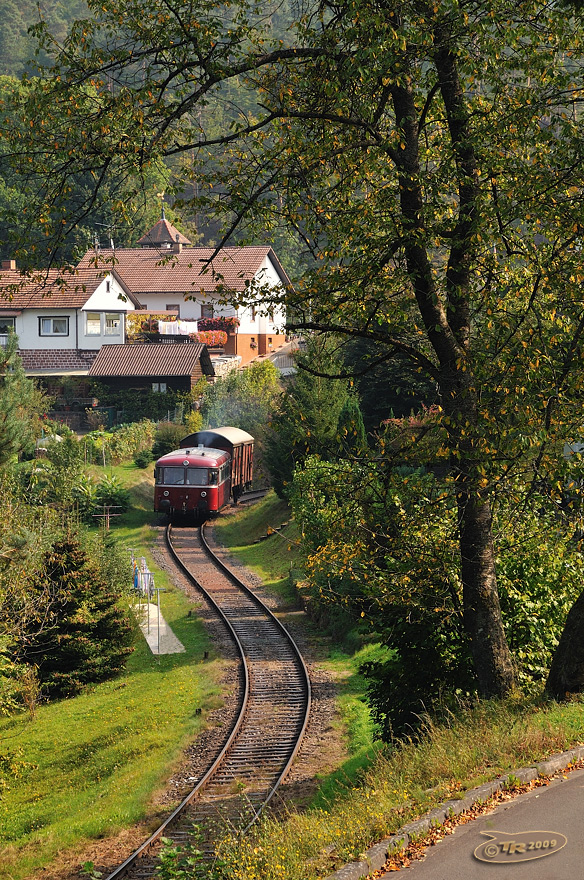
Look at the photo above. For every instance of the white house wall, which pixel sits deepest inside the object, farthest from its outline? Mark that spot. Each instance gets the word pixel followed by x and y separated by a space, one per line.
pixel 191 309
pixel 112 300
pixel 101 301
pixel 27 329
pixel 266 275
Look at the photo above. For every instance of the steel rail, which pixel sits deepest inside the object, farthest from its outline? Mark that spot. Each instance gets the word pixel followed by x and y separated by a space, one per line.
pixel 159 833
pixel 225 568
pixel 221 758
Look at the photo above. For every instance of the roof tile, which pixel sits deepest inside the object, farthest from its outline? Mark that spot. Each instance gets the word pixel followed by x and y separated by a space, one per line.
pixel 149 270
pixel 54 289
pixel 151 359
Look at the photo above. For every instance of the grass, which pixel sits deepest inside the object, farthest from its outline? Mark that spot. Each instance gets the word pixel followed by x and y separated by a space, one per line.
pixel 403 782
pixel 94 760
pixel 355 718
pixel 272 559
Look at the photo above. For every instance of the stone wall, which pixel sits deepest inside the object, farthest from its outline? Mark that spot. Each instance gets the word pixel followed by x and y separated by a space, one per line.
pixel 58 359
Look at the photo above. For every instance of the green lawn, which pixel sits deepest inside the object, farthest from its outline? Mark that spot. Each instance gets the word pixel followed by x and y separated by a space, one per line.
pixel 96 759
pixel 273 559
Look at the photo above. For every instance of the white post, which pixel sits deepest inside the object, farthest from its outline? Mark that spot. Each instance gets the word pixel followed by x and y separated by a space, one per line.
pixel 158 598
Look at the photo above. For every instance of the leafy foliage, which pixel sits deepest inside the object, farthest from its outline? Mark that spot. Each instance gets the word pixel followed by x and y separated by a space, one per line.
pixel 388 386
pixel 540 574
pixel 22 405
pixel 24 229
pixel 315 415
pixel 167 438
pixel 382 544
pixel 242 399
pixel 120 444
pixel 139 405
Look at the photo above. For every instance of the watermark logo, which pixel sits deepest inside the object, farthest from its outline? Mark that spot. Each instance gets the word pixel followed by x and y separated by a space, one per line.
pixel 504 848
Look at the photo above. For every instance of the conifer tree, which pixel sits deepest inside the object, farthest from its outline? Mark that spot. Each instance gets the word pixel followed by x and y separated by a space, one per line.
pixel 21 404
pixel 84 636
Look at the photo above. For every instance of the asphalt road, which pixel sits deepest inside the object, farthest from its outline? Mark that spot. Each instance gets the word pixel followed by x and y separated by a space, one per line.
pixel 538 835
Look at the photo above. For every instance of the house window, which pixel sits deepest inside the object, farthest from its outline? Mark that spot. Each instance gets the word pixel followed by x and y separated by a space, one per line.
pixel 159 386
pixel 93 324
pixel 173 307
pixel 207 310
pixel 253 313
pixel 54 326
pixel 108 286
pixel 7 324
pixel 112 324
pixel 271 315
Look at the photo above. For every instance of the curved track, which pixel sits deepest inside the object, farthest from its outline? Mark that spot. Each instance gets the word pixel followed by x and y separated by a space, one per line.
pixel 273 712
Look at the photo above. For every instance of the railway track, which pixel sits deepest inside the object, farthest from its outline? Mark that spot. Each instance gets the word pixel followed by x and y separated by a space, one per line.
pixel 265 736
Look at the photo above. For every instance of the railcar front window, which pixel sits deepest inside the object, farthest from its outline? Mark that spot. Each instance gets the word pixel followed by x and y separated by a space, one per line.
pixel 197 476
pixel 213 478
pixel 173 476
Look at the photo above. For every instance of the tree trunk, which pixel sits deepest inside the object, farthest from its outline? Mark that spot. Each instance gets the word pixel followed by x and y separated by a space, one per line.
pixel 448 324
pixel 482 610
pixel 567 670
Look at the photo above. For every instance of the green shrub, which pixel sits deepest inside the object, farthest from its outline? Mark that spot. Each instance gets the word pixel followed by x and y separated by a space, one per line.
pixel 381 545
pixel 143 458
pixel 85 495
pixel 129 440
pixel 119 445
pixel 111 493
pixel 167 438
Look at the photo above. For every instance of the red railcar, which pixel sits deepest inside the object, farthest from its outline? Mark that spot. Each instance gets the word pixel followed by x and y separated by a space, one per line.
pixel 209 469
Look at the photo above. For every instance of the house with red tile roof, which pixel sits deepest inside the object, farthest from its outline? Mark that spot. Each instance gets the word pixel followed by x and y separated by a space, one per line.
pixel 62 318
pixel 166 274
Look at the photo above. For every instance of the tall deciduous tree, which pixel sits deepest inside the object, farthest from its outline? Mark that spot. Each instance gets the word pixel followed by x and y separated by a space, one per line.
pixel 430 156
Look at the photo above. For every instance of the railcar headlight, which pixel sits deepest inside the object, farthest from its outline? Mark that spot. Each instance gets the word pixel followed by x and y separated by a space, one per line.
pixel 203 494
pixel 165 493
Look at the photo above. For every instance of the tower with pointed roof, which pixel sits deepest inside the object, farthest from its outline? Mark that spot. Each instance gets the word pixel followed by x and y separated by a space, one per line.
pixel 164 236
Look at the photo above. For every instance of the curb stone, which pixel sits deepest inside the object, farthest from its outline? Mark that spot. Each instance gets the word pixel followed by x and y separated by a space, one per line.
pixel 375 857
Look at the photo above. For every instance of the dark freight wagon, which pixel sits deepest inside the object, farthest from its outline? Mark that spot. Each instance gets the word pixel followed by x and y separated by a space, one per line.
pixel 239 445
pixel 201 477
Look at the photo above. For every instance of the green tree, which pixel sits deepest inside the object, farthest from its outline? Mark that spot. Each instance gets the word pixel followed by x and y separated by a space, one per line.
pixel 428 156
pixel 388 383
pixel 242 399
pixel 85 637
pixel 380 543
pixel 120 214
pixel 316 415
pixel 21 405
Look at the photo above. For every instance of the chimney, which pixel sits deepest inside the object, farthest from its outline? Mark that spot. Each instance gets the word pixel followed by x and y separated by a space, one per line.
pixel 9 264
pixel 176 246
